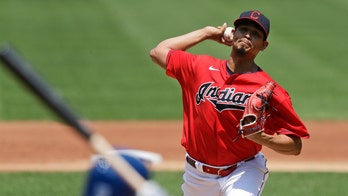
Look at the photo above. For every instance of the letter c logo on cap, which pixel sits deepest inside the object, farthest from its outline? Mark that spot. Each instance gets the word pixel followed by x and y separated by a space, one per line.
pixel 255 15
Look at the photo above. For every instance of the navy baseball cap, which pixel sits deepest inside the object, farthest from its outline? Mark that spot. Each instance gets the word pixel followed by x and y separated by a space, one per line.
pixel 254 16
pixel 104 180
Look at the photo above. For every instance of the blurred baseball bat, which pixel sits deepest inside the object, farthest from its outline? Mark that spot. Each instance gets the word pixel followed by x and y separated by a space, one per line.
pixel 26 74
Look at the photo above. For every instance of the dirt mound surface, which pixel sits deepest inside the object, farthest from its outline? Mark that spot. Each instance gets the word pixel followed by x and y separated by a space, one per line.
pixel 51 146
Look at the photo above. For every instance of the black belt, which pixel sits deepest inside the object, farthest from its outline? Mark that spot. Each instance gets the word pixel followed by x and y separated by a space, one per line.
pixel 215 170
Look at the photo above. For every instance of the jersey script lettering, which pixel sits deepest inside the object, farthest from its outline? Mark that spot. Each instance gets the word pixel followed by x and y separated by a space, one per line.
pixel 226 99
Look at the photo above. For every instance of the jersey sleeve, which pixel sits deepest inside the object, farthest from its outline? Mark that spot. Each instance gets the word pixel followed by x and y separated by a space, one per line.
pixel 284 120
pixel 180 64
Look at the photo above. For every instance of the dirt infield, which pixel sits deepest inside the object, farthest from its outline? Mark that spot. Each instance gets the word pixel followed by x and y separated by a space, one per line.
pixel 51 146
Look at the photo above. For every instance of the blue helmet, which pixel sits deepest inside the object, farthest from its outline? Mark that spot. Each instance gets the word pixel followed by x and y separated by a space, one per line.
pixel 102 180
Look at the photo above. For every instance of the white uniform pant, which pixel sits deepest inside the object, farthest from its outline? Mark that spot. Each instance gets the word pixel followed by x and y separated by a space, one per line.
pixel 247 179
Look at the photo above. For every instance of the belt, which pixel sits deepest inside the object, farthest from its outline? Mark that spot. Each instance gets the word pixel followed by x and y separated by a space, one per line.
pixel 223 171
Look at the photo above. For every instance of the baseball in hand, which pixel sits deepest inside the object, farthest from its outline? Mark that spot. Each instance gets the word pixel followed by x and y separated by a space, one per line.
pixel 227 33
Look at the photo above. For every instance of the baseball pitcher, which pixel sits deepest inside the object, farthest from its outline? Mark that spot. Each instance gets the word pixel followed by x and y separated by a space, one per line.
pixel 231 108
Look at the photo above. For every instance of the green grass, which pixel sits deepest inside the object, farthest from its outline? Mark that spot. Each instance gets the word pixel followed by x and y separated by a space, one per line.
pixel 309 184
pixel 279 183
pixel 37 183
pixel 95 53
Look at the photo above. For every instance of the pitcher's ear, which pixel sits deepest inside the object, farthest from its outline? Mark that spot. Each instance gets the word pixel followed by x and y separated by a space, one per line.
pixel 265 44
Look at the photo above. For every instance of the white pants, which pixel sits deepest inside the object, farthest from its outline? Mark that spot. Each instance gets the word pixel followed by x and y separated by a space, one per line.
pixel 247 179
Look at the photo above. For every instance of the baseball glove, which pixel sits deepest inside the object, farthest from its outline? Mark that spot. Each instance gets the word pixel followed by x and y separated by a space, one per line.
pixel 255 113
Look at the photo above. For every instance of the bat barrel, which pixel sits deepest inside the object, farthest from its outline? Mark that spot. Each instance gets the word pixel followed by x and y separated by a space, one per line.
pixel 24 71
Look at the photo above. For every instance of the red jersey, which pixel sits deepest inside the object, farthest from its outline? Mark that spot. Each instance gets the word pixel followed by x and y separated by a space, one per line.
pixel 213 103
